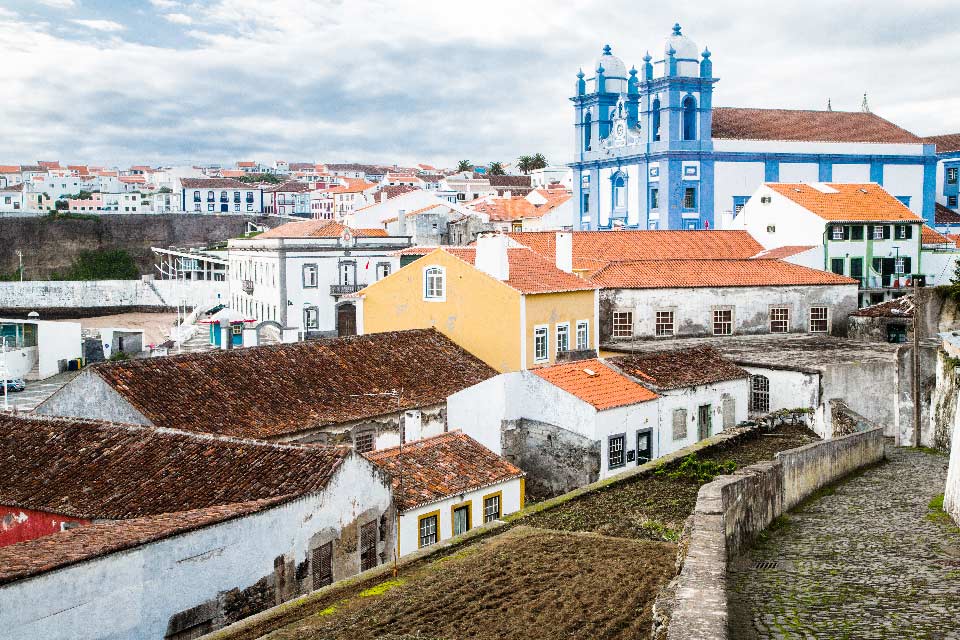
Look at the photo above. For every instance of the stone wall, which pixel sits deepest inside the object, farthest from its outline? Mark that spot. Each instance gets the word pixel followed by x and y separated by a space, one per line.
pixel 732 510
pixel 951 493
pixel 51 244
pixel 556 460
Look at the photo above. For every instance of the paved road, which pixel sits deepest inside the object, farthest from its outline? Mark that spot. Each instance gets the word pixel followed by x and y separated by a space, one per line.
pixel 864 562
pixel 36 392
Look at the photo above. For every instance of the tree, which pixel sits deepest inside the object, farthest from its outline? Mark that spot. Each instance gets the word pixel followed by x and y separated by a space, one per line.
pixel 955 280
pixel 523 163
pixel 464 165
pixel 165 190
pixel 254 178
pixel 496 169
pixel 538 161
pixel 101 264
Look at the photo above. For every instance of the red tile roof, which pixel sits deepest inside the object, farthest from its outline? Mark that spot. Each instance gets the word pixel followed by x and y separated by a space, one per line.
pixel 353 185
pixel 436 468
pixel 678 368
pixel 596 383
pixel 593 249
pixel 803 125
pixel 848 202
pixel 99 470
pixel 214 183
pixel 901 307
pixel 530 273
pixel 385 193
pixel 517 207
pixel 291 186
pixel 318 229
pixel 943 215
pixel 13 187
pixel 946 143
pixel 929 235
pixel 9 168
pixel 684 274
pixel 779 253
pixel 280 390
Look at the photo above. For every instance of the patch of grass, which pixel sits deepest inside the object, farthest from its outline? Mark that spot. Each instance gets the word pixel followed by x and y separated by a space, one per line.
pixel 381 588
pixel 930 450
pixel 326 612
pixel 698 471
pixel 936 504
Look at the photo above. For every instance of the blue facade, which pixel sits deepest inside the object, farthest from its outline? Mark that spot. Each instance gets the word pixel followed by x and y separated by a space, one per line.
pixel 646 135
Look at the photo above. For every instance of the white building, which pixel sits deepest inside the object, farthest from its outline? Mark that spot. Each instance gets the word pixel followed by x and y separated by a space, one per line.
pixel 37 349
pixel 220 195
pixel 375 215
pixel 552 175
pixel 445 486
pixel 297 274
pixel 11 197
pixel 292 198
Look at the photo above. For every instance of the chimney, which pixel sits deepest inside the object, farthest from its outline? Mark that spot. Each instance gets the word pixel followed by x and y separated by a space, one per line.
pixel 492 255
pixel 565 251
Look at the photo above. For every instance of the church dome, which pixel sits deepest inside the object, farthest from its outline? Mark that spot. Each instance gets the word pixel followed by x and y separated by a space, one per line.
pixel 613 70
pixel 685 51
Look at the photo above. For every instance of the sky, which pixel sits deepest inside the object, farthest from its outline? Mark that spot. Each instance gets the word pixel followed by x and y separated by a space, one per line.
pixel 119 82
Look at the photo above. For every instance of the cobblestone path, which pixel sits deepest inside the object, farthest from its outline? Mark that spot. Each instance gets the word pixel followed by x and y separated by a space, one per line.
pixel 863 561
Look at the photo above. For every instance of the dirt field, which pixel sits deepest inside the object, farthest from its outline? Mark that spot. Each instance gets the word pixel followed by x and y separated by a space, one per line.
pixel 155 326
pixel 527 583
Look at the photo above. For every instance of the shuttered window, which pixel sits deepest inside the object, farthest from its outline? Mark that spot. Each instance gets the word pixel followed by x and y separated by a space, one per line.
pixel 322 561
pixel 368 545
pixel 679 424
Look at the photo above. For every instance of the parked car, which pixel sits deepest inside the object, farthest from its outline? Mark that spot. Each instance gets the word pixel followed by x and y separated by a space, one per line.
pixel 16 384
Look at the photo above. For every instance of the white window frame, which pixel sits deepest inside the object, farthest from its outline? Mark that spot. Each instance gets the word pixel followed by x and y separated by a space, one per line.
pixel 311 326
pixel 729 322
pixel 311 278
pixel 659 327
pixel 836 233
pixel 621 439
pixel 825 319
pixel 617 330
pixel 878 232
pixel 779 317
pixel 541 331
pixel 436 293
pixel 583 330
pixel 563 328
pixel 898 265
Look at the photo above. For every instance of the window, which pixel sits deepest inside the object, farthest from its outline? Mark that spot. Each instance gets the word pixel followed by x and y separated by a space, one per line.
pixel 654 198
pixel 656 119
pixel 818 319
pixel 898 266
pixel 766 199
pixel 856 232
pixel 587 131
pixel 249 207
pixel 615 451
pixel 622 324
pixel 223 196
pixel 759 394
pixel 309 276
pixel 236 207
pixel 210 196
pixel 322 565
pixel 541 341
pixel 236 329
pixel 368 545
pixel 856 267
pixel 383 270
pixel 722 322
pixel 878 232
pixel 904 232
pixel 563 337
pixel 363 442
pixel 196 196
pixel 433 284
pixel 427 526
pixel 311 318
pixel 779 320
pixel 689 118
pixel 586 203
pixel 209 207
pixel 619 192
pixel 236 196
pixel 461 517
pixel 836 265
pixel 583 335
pixel 491 507
pixel 739 202
pixel 951 175
pixel 679 424
pixel 836 233
pixel 952 202
pixel 664 324
pixel 249 197
pixel 690 198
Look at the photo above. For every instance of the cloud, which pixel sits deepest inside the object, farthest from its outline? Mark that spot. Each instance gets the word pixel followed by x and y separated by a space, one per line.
pixel 165 5
pixel 100 25
pixel 58 4
pixel 178 18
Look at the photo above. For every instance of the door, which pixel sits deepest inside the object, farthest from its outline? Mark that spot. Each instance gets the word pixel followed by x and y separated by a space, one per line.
pixel 224 208
pixel 347 319
pixel 644 446
pixel 703 421
pixel 461 520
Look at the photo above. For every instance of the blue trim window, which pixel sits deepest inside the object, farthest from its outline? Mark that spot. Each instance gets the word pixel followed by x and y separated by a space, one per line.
pixel 951 175
pixel 952 202
pixel 739 202
pixel 619 183
pixel 690 198
pixel 587 131
pixel 654 198
pixel 586 203
pixel 689 118
pixel 904 200
pixel 656 120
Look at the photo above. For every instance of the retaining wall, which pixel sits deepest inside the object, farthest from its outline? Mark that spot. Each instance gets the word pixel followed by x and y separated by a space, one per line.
pixel 70 295
pixel 732 510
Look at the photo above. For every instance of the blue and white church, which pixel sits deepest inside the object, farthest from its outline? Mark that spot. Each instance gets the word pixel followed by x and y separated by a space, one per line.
pixel 652 152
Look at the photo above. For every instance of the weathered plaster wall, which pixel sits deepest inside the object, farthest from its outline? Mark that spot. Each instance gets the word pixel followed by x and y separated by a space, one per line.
pixel 951 494
pixel 943 403
pixel 88 396
pixel 790 389
pixel 206 578
pixel 20 525
pixel 903 424
pixel 555 460
pixel 59 297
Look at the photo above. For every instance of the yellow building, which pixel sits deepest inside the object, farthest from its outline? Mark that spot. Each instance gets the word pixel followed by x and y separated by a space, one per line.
pixel 509 306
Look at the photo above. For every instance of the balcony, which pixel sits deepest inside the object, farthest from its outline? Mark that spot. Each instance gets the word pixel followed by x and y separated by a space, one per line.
pixel 247 286
pixel 891 281
pixel 345 289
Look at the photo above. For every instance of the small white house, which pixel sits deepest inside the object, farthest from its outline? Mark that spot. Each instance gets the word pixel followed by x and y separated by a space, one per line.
pixel 37 349
pixel 446 485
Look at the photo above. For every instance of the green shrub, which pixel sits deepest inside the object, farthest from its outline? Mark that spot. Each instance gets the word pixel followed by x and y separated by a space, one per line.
pixel 697 471
pixel 100 264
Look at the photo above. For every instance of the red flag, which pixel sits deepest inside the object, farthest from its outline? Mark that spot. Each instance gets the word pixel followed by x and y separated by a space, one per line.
pixel 368 264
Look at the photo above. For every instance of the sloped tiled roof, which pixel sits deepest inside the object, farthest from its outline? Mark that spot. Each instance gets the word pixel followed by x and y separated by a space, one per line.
pixel 214 183
pixel 518 207
pixel 318 229
pixel 944 215
pixel 594 382
pixel 273 391
pixel 901 307
pixel 291 186
pixel 805 125
pixel 946 143
pixel 354 185
pixel 9 168
pixel 98 470
pixel 683 274
pixel 842 202
pixel 677 368
pixel 929 235
pixel 13 187
pixel 436 468
pixel 779 253
pixel 385 193
pixel 529 272
pixel 593 249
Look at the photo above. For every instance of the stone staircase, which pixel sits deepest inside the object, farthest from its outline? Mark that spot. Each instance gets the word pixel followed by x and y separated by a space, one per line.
pixel 199 341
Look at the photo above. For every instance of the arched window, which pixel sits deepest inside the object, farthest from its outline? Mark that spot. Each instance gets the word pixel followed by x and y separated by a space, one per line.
pixel 434 287
pixel 619 192
pixel 689 118
pixel 759 394
pixel 656 119
pixel 223 196
pixel 587 131
pixel 196 196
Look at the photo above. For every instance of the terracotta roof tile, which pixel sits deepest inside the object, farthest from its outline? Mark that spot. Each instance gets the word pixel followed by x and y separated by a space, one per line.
pixel 353 185
pixel 683 274
pixel 779 253
pixel 943 215
pixel 677 368
pixel 9 168
pixel 293 186
pixel 385 193
pixel 846 201
pixel 596 383
pixel 929 235
pixel 820 126
pixel 901 307
pixel 439 467
pixel 99 470
pixel 946 143
pixel 318 229
pixel 311 384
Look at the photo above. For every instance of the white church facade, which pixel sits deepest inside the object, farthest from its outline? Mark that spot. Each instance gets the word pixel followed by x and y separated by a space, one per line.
pixel 653 152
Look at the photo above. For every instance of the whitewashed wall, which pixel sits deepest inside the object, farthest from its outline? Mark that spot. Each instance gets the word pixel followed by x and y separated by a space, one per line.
pixel 735 179
pixel 790 389
pixel 91 294
pixel 690 399
pixel 905 180
pixel 133 593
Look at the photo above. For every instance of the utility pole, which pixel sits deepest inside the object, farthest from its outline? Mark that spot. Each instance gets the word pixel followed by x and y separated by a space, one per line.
pixel 20 256
pixel 6 404
pixel 917 320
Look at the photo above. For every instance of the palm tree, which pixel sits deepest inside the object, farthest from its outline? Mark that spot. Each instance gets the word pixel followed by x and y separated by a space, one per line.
pixel 496 169
pixel 464 165
pixel 538 162
pixel 523 163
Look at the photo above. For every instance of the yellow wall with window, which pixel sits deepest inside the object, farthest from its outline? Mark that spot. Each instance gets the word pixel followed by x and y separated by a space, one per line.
pixel 551 309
